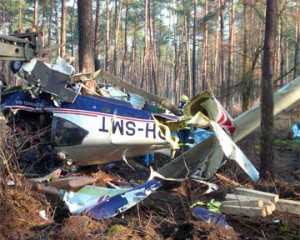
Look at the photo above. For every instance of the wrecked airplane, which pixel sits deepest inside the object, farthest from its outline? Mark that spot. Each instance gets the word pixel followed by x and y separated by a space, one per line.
pixel 51 113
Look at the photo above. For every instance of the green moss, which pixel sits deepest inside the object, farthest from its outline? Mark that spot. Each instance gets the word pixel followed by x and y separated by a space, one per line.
pixel 115 230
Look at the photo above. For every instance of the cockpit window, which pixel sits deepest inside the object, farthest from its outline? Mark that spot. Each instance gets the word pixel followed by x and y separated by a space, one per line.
pixel 66 133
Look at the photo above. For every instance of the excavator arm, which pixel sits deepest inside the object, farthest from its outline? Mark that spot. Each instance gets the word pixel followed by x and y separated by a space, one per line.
pixel 18 47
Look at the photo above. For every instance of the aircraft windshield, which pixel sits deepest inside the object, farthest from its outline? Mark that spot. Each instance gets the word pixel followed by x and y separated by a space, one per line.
pixel 66 133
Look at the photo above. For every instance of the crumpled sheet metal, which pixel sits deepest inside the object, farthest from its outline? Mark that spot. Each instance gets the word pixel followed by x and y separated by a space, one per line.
pixel 108 207
pixel 233 152
pixel 203 104
pixel 102 203
pixel 207 156
pixel 88 196
pixel 205 111
pixel 44 78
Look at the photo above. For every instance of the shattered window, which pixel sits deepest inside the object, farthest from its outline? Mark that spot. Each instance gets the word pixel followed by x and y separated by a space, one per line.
pixel 66 133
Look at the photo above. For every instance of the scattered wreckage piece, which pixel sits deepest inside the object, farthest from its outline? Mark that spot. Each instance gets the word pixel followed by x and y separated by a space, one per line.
pixel 45 79
pixel 210 217
pixel 88 197
pixel 110 207
pixel 103 76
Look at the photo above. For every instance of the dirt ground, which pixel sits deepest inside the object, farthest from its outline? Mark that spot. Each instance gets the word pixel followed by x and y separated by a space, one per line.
pixel 165 214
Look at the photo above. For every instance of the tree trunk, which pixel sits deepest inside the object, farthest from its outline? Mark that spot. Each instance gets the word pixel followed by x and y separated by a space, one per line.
pixel 297 46
pixel 245 61
pixel 43 31
pixel 194 69
pixel 63 28
pixel 35 13
pixel 283 47
pixel 57 27
pixel 107 34
pixel 222 90
pixel 116 33
pixel 50 23
pixel 124 60
pixel 86 40
pixel 205 51
pixel 149 65
pixel 133 67
pixel 230 56
pixel 72 27
pixel 21 16
pixel 97 30
pixel 267 104
pixel 187 61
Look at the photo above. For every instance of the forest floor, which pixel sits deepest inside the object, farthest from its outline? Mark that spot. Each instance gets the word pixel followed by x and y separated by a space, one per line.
pixel 166 213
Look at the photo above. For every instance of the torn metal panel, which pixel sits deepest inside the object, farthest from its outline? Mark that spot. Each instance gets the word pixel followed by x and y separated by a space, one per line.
pixel 189 161
pixel 110 207
pixel 232 151
pixel 51 81
pixel 87 197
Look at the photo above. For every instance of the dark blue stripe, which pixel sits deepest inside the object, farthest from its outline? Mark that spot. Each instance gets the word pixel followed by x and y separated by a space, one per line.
pixel 85 103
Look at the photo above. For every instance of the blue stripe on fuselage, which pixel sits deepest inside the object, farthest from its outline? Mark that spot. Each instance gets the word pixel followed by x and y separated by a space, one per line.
pixel 83 103
pixel 107 105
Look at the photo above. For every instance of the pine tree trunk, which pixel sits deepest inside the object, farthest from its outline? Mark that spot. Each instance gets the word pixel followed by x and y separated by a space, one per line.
pixel 86 40
pixel 297 46
pixel 97 29
pixel 63 28
pixel 149 64
pixel 21 16
pixel 267 104
pixel 245 61
pixel 194 69
pixel 35 13
pixel 205 51
pixel 222 78
pixel 50 23
pixel 230 56
pixel 107 34
pixel 124 60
